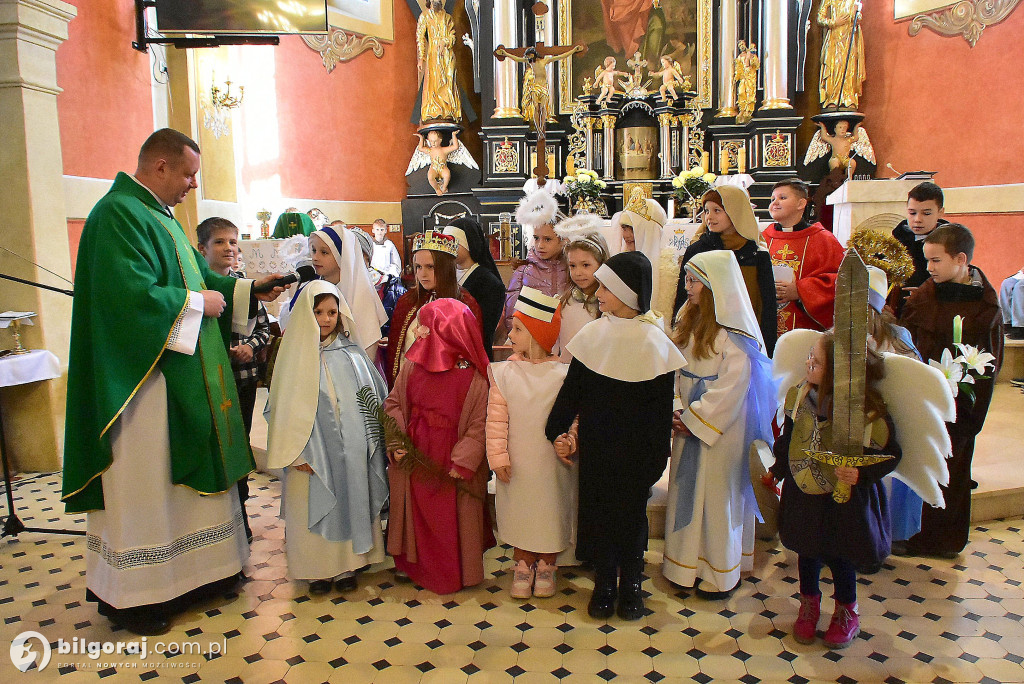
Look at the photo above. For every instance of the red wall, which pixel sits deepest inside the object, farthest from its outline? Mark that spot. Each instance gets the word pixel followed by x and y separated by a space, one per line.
pixel 347 135
pixel 934 103
pixel 106 109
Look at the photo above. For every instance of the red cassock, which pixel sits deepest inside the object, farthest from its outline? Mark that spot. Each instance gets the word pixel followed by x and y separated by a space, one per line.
pixel 814 254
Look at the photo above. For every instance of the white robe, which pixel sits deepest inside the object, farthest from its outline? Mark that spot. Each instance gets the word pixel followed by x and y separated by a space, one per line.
pixel 154 541
pixel 718 542
pixel 574 316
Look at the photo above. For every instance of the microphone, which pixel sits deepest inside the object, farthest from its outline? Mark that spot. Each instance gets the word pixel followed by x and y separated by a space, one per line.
pixel 302 274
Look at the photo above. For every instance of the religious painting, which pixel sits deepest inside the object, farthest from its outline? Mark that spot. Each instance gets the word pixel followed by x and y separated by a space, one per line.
pixel 365 17
pixel 678 29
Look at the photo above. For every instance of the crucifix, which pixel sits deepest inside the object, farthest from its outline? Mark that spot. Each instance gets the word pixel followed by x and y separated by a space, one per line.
pixel 226 404
pixel 535 85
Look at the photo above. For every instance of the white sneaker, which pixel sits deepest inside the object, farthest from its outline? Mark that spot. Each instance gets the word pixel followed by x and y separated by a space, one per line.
pixel 522 581
pixel 544 584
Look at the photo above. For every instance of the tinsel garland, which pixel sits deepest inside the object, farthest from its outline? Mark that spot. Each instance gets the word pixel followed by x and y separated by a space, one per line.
pixel 885 252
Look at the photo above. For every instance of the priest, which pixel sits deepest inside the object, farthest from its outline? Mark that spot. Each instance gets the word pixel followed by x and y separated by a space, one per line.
pixel 154 440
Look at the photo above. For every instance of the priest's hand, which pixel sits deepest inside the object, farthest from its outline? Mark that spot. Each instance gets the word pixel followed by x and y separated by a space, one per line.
pixel 271 294
pixel 305 468
pixel 847 474
pixel 786 291
pixel 503 473
pixel 213 303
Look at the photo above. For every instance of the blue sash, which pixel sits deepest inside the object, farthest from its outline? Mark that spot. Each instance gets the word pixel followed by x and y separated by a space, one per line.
pixel 686 472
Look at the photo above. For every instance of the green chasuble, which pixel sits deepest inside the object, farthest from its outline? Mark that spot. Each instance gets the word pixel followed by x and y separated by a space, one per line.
pixel 293 223
pixel 134 271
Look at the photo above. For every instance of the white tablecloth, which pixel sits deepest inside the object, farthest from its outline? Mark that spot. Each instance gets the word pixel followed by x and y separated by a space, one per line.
pixel 37 365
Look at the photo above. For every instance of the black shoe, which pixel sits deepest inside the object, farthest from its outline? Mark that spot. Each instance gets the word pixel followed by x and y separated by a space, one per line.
pixel 320 587
pixel 346 584
pixel 715 595
pixel 602 601
pixel 899 548
pixel 869 569
pixel 141 622
pixel 631 597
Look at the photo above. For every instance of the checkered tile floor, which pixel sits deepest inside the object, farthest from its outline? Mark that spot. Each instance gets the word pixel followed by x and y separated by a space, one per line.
pixel 923 620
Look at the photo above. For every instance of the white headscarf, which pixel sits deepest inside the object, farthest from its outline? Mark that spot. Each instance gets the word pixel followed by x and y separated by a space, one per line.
pixel 355 284
pixel 719 271
pixel 296 388
pixel 647 222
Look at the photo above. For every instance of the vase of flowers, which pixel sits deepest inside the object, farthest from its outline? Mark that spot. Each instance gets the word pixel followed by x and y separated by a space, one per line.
pixel 689 186
pixel 584 190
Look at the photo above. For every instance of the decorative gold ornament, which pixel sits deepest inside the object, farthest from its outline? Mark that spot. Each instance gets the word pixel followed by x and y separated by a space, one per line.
pixel 776 151
pixel 506 158
pixel 967 18
pixel 883 251
pixel 576 157
pixel 340 46
pixel 264 218
pixel 638 194
pixel 745 69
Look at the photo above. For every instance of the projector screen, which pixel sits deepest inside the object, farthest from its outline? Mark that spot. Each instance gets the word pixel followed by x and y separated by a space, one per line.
pixel 224 17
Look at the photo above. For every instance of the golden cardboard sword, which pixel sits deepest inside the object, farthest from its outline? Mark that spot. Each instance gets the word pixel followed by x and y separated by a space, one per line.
pixel 849 370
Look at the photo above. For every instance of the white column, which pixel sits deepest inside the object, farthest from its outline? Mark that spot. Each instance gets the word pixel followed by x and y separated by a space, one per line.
pixel 775 53
pixel 726 56
pixel 32 206
pixel 506 73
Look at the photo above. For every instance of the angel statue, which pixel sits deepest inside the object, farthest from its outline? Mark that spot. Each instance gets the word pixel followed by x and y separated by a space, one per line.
pixel 605 78
pixel 844 145
pixel 431 153
pixel 671 74
pixel 535 80
pixel 745 74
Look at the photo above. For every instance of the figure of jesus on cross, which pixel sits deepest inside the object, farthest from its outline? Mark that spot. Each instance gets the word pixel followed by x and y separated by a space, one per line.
pixel 535 84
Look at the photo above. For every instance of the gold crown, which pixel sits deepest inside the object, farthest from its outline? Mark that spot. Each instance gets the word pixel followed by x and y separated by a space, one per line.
pixel 638 203
pixel 437 242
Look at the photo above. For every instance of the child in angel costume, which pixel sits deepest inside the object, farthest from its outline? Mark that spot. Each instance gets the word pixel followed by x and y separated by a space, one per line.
pixel 619 387
pixel 334 484
pixel 728 399
pixel 585 250
pixel 438 525
pixel 545 268
pixel 905 405
pixel 535 495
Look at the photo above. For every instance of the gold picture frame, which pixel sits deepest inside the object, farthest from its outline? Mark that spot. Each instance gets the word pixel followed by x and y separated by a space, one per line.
pixel 569 86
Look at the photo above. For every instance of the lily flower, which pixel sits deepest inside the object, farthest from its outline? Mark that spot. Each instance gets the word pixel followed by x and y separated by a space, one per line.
pixel 975 359
pixel 952 370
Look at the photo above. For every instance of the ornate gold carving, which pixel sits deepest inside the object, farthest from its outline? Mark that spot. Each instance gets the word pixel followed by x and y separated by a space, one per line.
pixel 576 157
pixel 776 151
pixel 967 18
pixel 666 119
pixel 635 196
pixel 506 158
pixel 339 46
pixel 704 54
pixel 609 121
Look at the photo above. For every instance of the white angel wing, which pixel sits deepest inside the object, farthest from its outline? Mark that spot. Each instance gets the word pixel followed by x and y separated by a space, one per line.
pixel 862 146
pixel 463 157
pixel 789 362
pixel 920 402
pixel 817 149
pixel 420 159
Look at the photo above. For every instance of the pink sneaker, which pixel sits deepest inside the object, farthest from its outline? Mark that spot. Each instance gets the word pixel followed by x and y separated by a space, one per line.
pixel 845 626
pixel 522 581
pixel 805 629
pixel 544 584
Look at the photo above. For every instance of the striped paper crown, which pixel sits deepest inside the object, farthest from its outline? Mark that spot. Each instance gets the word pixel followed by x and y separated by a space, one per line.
pixel 437 242
pixel 536 304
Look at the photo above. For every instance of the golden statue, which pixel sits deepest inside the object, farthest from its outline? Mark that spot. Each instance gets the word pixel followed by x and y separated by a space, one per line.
pixel 435 62
pixel 842 63
pixel 535 78
pixel 745 73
